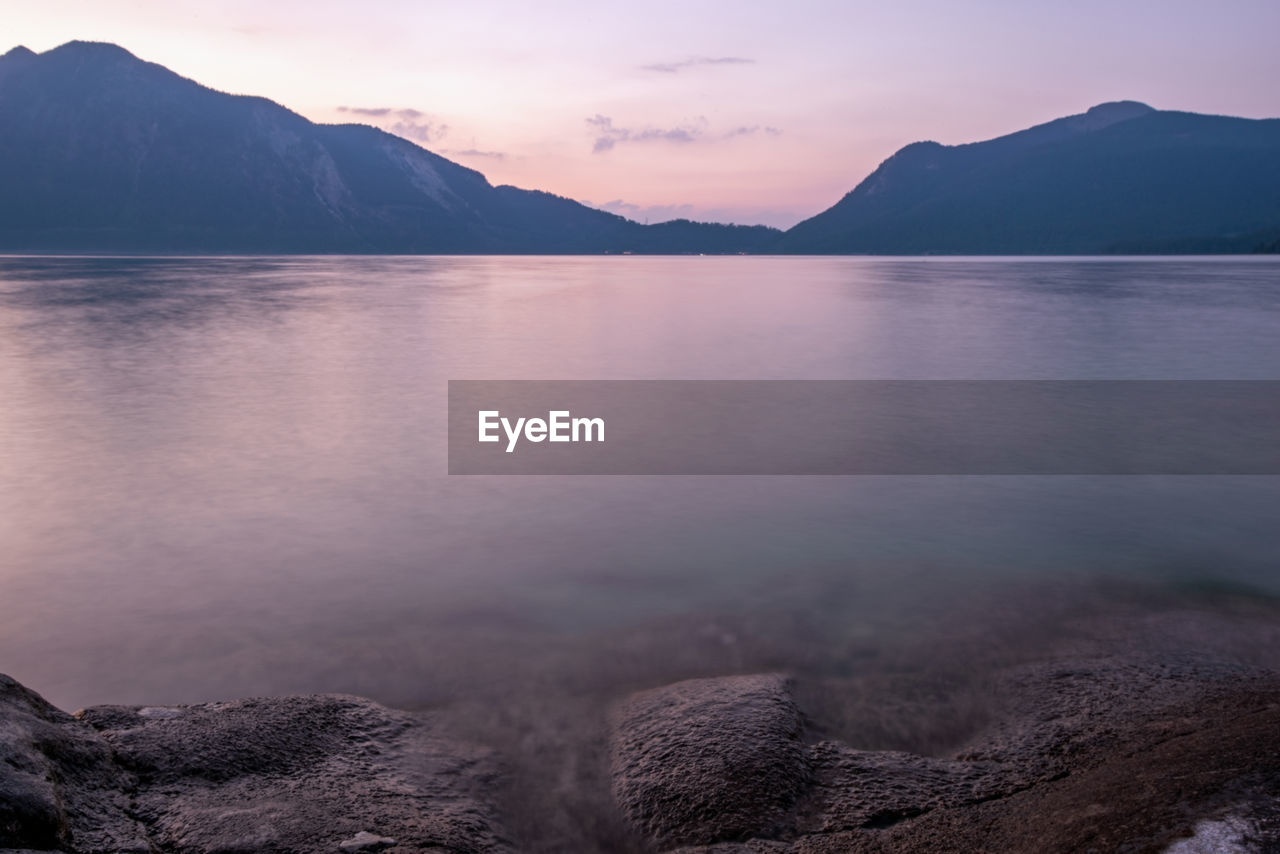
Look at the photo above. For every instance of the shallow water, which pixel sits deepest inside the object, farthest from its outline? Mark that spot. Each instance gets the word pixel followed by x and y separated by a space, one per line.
pixel 226 476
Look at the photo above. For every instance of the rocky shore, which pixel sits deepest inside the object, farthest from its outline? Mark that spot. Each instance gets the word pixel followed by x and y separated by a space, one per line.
pixel 1157 732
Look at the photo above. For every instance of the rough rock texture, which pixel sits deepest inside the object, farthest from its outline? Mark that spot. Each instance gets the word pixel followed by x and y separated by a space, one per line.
pixel 284 774
pixel 1108 786
pixel 1130 731
pixel 1098 748
pixel 709 759
pixel 366 841
pixel 58 785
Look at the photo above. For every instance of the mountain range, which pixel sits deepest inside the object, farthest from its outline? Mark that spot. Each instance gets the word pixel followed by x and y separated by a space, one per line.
pixel 101 151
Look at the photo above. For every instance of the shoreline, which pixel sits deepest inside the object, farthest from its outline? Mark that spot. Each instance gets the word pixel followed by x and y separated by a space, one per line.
pixel 1132 731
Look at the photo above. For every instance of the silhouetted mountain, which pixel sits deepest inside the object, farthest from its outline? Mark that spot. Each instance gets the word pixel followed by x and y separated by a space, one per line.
pixel 1122 177
pixel 102 151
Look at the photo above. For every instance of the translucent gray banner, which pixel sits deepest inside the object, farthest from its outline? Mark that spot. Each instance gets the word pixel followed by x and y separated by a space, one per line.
pixel 892 427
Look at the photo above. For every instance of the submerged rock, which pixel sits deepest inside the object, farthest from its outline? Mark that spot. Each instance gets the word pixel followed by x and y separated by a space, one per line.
pixel 1161 735
pixel 1142 745
pixel 366 841
pixel 1230 835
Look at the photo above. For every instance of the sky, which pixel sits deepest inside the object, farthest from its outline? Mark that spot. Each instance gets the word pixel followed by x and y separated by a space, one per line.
pixel 747 112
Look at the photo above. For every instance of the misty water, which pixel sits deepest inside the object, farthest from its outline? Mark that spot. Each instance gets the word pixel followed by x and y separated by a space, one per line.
pixel 227 476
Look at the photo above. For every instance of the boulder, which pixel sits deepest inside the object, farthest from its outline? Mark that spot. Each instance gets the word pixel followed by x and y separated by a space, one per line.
pixel 709 760
pixel 304 773
pixel 284 774
pixel 59 788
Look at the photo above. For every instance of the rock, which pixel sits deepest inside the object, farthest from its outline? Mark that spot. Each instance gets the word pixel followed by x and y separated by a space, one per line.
pixel 366 841
pixel 875 789
pixel 287 774
pixel 29 811
pixel 1159 736
pixel 1230 835
pixel 708 760
pixel 58 785
pixel 298 773
pixel 1129 736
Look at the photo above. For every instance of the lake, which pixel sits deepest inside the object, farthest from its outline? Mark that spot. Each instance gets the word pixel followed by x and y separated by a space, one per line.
pixel 227 476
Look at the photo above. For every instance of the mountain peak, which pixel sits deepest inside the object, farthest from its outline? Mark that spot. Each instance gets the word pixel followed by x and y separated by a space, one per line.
pixel 103 151
pixel 19 52
pixel 1131 107
pixel 1116 111
pixel 1120 177
pixel 105 50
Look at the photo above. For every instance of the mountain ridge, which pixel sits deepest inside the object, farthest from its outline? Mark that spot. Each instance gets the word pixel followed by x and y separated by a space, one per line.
pixel 1122 177
pixel 100 150
pixel 103 151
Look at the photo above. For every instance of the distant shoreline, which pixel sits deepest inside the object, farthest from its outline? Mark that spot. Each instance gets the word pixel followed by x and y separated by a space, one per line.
pixel 91 253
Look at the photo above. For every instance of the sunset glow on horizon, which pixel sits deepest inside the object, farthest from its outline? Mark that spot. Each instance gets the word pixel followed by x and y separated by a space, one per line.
pixel 749 113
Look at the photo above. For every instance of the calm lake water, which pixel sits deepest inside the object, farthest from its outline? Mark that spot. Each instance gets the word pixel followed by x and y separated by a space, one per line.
pixel 226 476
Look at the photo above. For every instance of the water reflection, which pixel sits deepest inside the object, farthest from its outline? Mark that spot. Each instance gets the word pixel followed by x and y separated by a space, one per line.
pixel 222 476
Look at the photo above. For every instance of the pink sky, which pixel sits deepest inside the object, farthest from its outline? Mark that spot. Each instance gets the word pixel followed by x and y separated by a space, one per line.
pixel 744 112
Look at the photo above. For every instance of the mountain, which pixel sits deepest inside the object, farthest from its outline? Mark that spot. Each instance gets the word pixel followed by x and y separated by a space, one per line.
pixel 1122 177
pixel 102 151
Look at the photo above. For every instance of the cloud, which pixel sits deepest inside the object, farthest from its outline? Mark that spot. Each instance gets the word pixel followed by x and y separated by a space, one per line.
pixel 423 132
pixel 753 129
pixel 677 67
pixel 372 112
pixel 405 122
pixel 473 152
pixel 609 135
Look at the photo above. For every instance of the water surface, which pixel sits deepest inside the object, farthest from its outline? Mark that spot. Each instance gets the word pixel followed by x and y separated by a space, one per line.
pixel 226 476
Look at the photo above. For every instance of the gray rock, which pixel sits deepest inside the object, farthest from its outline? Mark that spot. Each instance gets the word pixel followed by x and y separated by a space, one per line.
pixel 366 841
pixel 288 774
pixel 1104 747
pixel 708 760
pixel 58 785
pixel 1230 835
pixel 873 789
pixel 299 773
pixel 1123 737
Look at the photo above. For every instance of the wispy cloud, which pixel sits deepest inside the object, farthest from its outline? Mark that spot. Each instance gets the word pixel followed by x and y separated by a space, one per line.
pixel 609 135
pixel 694 61
pixel 752 130
pixel 403 121
pixel 474 152
pixel 371 112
